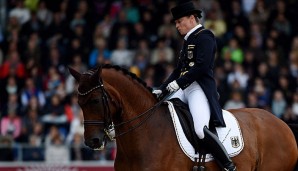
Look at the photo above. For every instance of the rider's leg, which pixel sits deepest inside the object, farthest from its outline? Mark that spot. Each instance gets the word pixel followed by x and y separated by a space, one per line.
pixel 200 110
pixel 218 150
pixel 198 106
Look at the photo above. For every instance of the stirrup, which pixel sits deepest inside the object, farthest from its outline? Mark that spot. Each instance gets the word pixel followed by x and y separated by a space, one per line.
pixel 231 169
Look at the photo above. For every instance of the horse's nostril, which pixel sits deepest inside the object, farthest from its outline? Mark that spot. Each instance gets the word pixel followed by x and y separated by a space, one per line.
pixel 95 140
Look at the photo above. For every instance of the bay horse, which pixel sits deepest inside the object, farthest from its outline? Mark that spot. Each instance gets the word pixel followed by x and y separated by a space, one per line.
pixel 110 96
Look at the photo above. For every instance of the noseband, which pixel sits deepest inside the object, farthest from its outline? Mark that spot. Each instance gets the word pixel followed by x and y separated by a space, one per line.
pixel 109 126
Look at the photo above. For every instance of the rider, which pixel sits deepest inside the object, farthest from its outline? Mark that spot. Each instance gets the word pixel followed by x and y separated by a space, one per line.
pixel 193 79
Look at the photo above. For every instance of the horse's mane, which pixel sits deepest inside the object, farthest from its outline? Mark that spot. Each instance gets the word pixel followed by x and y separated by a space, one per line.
pixel 125 72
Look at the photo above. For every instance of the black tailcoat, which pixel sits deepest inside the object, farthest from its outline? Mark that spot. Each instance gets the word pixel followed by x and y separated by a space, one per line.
pixel 196 63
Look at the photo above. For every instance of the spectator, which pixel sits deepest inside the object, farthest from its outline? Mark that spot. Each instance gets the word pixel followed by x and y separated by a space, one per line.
pixel 215 23
pixel 57 28
pixel 29 121
pixel 235 102
pixel 121 55
pixel 100 54
pixel 56 152
pixel 32 53
pixel 278 104
pixel 20 12
pixel 293 62
pixel 252 100
pixel 12 66
pixel 238 75
pixel 294 106
pixel 78 152
pixel 44 14
pixel 12 104
pixel 11 124
pixel 259 14
pixel 103 28
pixel 30 91
pixel 162 53
pixel 262 92
pixel 52 82
pixel 121 29
pixel 55 59
pixel 12 88
pixel 55 114
pixel 34 151
pixel 76 127
pixel 33 25
pixel 233 52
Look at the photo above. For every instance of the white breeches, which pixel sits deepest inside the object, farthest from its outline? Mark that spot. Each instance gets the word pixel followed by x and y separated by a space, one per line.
pixel 198 104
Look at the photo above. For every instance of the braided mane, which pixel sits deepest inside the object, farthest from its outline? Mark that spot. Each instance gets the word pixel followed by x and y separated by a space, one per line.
pixel 125 72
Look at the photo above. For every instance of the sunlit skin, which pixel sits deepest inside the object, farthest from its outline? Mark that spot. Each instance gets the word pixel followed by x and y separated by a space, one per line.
pixel 185 24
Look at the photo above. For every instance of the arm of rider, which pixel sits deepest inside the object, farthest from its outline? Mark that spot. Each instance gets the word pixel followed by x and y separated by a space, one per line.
pixel 173 86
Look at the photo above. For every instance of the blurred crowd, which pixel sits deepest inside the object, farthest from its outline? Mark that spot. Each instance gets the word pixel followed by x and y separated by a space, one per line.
pixel 256 60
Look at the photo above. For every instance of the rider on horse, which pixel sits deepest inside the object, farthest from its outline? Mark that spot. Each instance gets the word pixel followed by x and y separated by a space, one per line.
pixel 193 79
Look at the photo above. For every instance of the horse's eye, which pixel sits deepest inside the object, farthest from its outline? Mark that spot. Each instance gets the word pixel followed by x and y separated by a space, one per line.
pixel 94 101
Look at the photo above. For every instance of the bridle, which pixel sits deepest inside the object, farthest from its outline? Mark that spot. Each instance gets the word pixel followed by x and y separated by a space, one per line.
pixel 109 127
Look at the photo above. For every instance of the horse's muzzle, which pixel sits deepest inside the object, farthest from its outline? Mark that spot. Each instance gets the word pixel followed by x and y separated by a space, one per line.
pixel 96 143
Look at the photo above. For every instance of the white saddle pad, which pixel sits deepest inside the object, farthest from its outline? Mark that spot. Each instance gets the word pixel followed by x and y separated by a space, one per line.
pixel 230 136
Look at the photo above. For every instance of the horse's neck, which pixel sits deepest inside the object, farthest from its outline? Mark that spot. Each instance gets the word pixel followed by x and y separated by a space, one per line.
pixel 135 98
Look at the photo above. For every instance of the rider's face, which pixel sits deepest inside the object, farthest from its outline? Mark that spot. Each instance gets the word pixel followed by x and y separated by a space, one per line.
pixel 185 24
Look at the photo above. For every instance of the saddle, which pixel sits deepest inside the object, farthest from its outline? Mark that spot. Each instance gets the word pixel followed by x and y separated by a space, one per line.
pixel 230 136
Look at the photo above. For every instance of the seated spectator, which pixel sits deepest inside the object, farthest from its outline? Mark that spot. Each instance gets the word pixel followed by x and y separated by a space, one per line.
pixel 44 14
pixel 215 23
pixel 232 51
pixel 55 114
pixel 279 104
pixel 29 121
pixel 78 151
pixel 34 151
pixel 12 104
pixel 76 127
pixel 30 91
pixel 263 93
pixel 235 102
pixel 122 56
pixel 238 75
pixel 14 65
pixel 56 151
pixel 100 54
pixel 162 53
pixel 20 12
pixel 78 64
pixel 52 82
pixel 11 124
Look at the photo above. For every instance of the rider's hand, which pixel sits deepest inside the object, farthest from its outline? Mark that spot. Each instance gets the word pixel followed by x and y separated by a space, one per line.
pixel 157 92
pixel 173 86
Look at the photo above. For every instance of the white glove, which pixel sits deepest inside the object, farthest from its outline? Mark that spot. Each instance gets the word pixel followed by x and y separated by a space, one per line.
pixel 157 92
pixel 173 86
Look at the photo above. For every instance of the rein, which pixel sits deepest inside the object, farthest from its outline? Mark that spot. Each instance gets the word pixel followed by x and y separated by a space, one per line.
pixel 108 123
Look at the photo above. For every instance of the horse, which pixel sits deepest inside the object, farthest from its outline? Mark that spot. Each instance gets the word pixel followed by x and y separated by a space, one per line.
pixel 111 97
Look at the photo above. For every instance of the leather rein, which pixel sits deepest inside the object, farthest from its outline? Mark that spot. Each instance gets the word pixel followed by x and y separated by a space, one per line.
pixel 109 126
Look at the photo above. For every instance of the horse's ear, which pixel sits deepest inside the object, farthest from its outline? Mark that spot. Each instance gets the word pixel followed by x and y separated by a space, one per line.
pixel 74 73
pixel 96 74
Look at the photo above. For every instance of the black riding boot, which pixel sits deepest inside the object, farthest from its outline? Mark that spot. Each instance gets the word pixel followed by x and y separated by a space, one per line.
pixel 218 151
